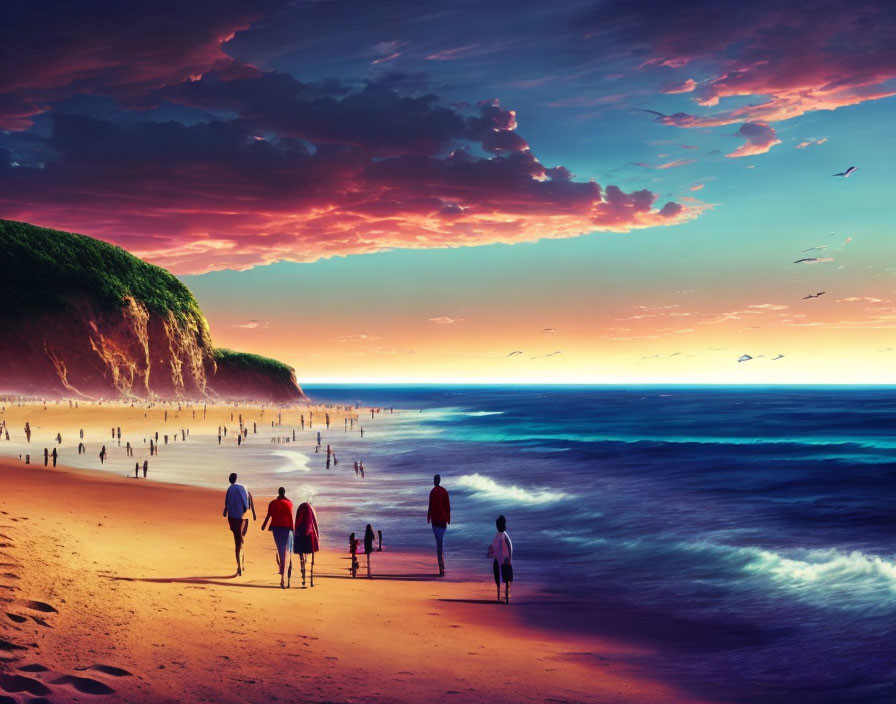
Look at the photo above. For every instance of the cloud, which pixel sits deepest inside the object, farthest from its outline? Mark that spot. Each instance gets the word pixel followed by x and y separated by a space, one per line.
pixel 687 86
pixel 212 195
pixel 810 142
pixel 252 324
pixel 776 61
pixel 110 48
pixel 355 338
pixel 697 187
pixel 668 164
pixel 768 306
pixel 760 138
pixel 445 320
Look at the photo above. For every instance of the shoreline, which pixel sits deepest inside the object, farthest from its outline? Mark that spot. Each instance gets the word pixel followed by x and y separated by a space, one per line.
pixel 149 568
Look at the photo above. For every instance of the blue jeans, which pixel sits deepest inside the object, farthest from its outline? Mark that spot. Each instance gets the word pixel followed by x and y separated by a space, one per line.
pixel 439 532
pixel 283 540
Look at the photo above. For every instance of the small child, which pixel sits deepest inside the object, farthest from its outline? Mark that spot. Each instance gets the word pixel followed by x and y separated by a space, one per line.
pixel 501 551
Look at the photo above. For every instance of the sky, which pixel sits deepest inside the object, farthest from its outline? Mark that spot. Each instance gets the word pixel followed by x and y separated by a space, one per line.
pixel 566 192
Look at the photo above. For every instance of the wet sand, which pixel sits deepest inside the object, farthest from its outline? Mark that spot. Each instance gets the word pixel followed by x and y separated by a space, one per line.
pixel 122 589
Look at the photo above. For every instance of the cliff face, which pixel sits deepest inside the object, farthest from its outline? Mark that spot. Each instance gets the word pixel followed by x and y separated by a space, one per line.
pixel 81 317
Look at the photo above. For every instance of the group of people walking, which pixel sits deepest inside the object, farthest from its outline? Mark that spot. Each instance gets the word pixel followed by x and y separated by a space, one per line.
pixel 292 535
pixel 300 535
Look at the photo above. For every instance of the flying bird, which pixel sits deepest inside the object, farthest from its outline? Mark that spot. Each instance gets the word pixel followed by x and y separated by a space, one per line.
pixel 744 358
pixel 813 260
pixel 814 295
pixel 515 352
pixel 845 174
pixel 780 356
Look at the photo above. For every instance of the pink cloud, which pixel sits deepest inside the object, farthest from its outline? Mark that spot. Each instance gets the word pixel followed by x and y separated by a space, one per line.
pixel 697 187
pixel 687 86
pixel 810 142
pixel 760 138
pixel 210 196
pixel 780 61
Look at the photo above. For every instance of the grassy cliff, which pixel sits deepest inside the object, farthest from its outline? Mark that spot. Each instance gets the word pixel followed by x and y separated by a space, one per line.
pixel 41 269
pixel 68 321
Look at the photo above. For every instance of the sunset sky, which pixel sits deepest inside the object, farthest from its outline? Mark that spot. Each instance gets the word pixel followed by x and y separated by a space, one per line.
pixel 528 191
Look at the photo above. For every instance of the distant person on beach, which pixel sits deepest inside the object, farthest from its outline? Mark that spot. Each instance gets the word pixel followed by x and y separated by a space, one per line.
pixel 237 501
pixel 46 457
pixel 103 455
pixel 307 537
pixel 54 455
pixel 145 467
pixel 501 551
pixel 280 517
pixel 368 546
pixel 353 551
pixel 136 470
pixel 439 515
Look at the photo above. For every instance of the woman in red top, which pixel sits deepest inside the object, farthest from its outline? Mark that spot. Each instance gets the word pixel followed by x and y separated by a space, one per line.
pixel 307 537
pixel 280 516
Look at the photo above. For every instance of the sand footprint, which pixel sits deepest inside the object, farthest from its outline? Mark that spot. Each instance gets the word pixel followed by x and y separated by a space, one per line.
pixel 20 683
pixel 41 606
pixel 111 670
pixel 16 617
pixel 85 685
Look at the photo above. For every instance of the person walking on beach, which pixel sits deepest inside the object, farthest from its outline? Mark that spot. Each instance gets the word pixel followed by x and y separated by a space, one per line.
pixel 280 517
pixel 54 455
pixel 439 515
pixel 136 470
pixel 46 457
pixel 237 501
pixel 501 551
pixel 307 537
pixel 368 546
pixel 145 467
pixel 103 455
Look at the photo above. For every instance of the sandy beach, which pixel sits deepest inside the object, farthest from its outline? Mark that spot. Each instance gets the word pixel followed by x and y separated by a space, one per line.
pixel 125 590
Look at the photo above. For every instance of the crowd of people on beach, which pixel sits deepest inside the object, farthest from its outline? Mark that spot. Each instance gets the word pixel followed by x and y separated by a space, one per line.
pixel 296 533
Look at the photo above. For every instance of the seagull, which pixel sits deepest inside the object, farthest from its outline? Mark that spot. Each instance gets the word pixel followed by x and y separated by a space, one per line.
pixel 780 356
pixel 845 174
pixel 814 295
pixel 744 358
pixel 515 352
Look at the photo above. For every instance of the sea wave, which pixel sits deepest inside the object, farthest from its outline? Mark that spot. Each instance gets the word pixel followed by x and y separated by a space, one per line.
pixel 477 414
pixel 830 578
pixel 483 487
pixel 295 461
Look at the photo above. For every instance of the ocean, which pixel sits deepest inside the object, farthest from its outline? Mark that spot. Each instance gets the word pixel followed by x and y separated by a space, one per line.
pixel 742 539
pixel 749 534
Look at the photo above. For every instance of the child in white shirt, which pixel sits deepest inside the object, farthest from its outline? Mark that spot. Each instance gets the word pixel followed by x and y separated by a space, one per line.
pixel 501 550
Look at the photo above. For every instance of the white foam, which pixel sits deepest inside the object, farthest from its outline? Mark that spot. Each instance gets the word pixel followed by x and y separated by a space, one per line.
pixel 487 488
pixel 477 414
pixel 295 461
pixel 851 581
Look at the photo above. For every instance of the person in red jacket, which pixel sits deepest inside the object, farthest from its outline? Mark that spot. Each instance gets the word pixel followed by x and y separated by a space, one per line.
pixel 280 517
pixel 439 515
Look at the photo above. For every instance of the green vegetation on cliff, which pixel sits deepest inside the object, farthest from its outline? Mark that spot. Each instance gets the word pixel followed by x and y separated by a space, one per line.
pixel 243 361
pixel 41 269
